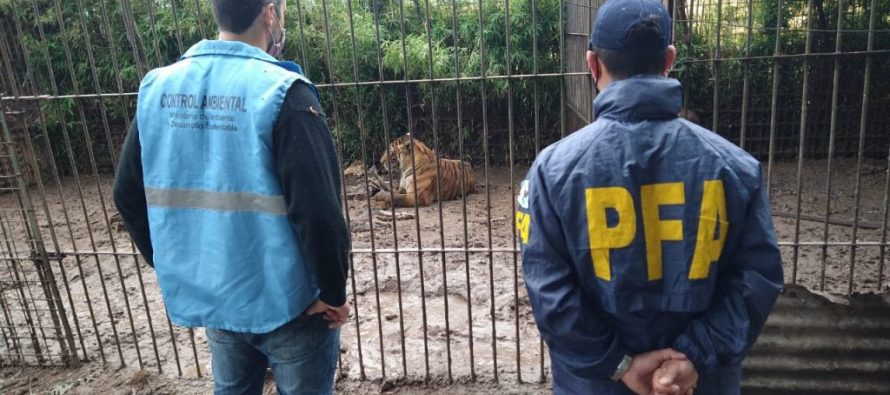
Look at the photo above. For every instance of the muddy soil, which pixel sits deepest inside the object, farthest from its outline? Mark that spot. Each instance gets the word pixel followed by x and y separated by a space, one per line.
pixel 439 312
pixel 93 379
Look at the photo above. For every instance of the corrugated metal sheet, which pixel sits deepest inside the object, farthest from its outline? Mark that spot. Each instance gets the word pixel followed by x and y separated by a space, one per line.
pixel 819 344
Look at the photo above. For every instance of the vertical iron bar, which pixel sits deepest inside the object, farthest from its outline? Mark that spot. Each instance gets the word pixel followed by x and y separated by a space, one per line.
pixel 358 335
pixel 54 168
pixel 6 310
pixel 591 15
pixel 537 106
pixel 123 105
pixel 175 18
pixel 173 342
pixel 91 59
pixel 801 149
pixel 74 81
pixel 328 44
pixel 23 299
pixel 774 101
pixel 746 78
pixel 195 352
pixel 75 171
pixel 154 33
pixel 45 206
pixel 426 350
pixel 44 273
pixel 16 345
pixel 537 81
pixel 117 74
pixel 687 71
pixel 36 250
pixel 438 151
pixel 8 348
pixel 69 334
pixel 14 256
pixel 53 300
pixel 463 187
pixel 863 124
pixel 483 67
pixel 364 138
pixel 882 258
pixel 562 70
pixel 6 56
pixel 140 58
pixel 41 261
pixel 715 64
pixel 395 230
pixel 200 17
pixel 509 63
pixel 305 64
pixel 95 169
pixel 73 163
pixel 151 329
pixel 675 22
pixel 831 138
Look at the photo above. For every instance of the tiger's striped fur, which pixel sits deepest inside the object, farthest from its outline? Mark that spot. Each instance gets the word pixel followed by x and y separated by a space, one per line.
pixel 418 179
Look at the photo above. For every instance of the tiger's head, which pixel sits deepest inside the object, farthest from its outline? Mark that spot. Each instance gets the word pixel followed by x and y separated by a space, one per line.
pixel 398 154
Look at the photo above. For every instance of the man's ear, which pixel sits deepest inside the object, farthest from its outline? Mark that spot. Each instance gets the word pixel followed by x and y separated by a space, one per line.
pixel 270 13
pixel 669 57
pixel 593 65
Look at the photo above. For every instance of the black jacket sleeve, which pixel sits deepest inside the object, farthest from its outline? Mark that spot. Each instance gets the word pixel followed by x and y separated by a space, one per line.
pixel 129 194
pixel 307 165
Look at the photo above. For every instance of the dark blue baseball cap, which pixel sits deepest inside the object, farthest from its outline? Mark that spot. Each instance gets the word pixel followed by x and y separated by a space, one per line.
pixel 616 18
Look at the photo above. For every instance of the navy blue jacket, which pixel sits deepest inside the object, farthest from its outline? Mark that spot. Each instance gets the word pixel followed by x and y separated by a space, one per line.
pixel 643 231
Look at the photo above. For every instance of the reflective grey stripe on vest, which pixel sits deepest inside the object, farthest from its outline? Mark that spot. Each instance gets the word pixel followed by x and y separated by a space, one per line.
pixel 222 201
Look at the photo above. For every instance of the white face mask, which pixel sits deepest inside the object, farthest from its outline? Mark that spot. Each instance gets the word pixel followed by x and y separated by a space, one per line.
pixel 276 46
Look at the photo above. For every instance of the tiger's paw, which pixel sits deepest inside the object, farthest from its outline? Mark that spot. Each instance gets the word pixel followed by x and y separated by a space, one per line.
pixel 383 200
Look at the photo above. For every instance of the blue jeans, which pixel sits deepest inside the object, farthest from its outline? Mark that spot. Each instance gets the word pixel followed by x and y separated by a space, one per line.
pixel 302 354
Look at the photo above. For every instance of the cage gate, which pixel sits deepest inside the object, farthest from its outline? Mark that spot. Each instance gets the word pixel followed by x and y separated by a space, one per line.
pixel 33 324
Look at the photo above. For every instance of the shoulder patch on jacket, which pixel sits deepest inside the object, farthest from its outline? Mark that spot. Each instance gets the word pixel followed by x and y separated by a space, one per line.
pixel 522 198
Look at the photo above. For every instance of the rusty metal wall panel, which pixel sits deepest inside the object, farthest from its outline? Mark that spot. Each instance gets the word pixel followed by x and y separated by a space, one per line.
pixel 819 344
pixel 579 92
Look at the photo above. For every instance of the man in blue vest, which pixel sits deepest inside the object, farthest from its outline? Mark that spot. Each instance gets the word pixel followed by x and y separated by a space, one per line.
pixel 229 185
pixel 648 248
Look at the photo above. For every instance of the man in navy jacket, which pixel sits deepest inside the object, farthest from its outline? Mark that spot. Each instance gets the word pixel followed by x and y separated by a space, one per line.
pixel 648 248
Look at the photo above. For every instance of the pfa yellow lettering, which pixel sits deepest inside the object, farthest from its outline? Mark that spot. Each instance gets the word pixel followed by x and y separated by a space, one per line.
pixel 602 237
pixel 655 229
pixel 523 222
pixel 708 245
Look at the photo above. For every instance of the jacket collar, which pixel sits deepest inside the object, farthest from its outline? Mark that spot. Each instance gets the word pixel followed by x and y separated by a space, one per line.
pixel 228 48
pixel 240 49
pixel 642 97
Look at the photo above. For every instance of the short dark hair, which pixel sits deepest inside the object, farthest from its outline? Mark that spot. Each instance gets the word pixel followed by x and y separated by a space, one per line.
pixel 236 16
pixel 646 57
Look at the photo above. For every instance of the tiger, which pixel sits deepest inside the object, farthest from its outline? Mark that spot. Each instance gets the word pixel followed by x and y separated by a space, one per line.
pixel 417 184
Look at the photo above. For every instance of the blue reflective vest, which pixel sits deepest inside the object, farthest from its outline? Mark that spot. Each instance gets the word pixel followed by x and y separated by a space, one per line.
pixel 643 231
pixel 225 254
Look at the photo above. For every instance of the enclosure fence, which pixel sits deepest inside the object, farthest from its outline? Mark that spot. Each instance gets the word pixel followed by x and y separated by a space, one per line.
pixel 437 290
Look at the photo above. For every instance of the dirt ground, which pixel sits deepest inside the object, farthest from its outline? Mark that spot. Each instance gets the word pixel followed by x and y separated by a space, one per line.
pixel 117 314
pixel 93 379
